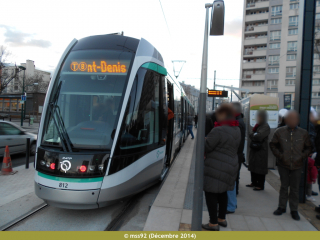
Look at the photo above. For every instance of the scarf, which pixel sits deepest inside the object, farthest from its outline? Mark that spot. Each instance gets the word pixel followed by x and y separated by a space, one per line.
pixel 231 123
pixel 255 128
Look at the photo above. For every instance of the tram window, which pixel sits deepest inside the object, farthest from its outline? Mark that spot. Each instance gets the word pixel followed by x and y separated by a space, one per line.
pixel 140 127
pixel 88 102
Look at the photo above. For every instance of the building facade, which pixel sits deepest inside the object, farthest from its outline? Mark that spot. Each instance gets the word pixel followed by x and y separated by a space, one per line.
pixel 269 50
pixel 11 96
pixel 193 95
pixel 32 74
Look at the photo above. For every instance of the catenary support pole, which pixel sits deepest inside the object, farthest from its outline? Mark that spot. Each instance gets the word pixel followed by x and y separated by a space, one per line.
pixel 214 87
pixel 304 77
pixel 198 177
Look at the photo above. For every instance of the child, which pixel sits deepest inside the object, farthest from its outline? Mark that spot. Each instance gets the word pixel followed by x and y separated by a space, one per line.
pixel 311 178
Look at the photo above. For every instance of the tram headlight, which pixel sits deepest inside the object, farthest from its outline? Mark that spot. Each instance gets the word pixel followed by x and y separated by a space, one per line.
pixel 42 162
pixel 91 168
pixel 100 167
pixel 48 164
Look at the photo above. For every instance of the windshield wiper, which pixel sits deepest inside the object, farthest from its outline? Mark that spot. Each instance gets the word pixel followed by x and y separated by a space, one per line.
pixel 64 137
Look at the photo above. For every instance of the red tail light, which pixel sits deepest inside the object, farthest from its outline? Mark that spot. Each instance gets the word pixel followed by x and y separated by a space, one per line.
pixel 83 168
pixel 52 166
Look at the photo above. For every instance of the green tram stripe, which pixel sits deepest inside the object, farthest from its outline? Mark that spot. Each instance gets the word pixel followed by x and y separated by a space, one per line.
pixel 76 180
pixel 155 67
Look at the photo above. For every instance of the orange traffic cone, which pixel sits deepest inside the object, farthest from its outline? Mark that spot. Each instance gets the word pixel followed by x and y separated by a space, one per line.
pixel 6 164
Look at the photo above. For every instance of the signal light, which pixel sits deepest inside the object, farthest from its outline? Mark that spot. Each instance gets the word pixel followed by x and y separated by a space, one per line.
pixel 52 166
pixel 83 168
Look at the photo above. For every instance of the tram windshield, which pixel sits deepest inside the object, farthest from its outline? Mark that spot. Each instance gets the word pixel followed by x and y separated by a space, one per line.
pixel 86 99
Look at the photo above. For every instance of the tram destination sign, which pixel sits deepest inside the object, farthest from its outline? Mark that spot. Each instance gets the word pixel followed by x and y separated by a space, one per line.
pixel 217 93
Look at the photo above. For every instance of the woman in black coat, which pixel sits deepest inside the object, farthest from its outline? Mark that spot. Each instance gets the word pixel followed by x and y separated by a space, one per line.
pixel 258 156
pixel 220 165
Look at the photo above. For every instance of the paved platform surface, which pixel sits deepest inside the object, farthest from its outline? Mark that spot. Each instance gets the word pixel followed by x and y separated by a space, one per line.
pixel 17 194
pixel 172 209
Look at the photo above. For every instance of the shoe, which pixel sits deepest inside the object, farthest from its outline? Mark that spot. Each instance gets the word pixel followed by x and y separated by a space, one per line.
pixel 229 212
pixel 207 227
pixel 250 185
pixel 318 217
pixel 311 199
pixel 314 193
pixel 279 211
pixel 317 209
pixel 223 224
pixel 258 189
pixel 295 215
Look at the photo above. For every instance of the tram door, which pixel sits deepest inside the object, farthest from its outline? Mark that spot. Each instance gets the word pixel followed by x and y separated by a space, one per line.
pixel 170 136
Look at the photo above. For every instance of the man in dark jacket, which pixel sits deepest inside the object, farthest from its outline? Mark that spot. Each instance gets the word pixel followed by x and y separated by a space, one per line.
pixel 291 145
pixel 239 116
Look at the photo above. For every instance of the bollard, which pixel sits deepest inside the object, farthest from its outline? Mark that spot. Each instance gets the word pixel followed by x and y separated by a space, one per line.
pixel 27 153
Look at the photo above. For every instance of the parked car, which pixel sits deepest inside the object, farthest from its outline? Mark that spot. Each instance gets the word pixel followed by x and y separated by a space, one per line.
pixel 15 137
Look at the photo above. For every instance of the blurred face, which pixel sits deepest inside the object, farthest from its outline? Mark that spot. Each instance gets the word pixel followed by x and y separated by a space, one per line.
pixel 312 118
pixel 221 117
pixel 259 119
pixel 292 119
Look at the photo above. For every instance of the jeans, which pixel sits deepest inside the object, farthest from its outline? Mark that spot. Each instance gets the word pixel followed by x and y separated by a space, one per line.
pixel 258 180
pixel 232 200
pixel 289 178
pixel 190 130
pixel 212 200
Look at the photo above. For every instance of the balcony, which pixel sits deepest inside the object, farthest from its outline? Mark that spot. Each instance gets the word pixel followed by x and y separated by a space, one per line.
pixel 257 29
pixel 255 89
pixel 258 4
pixel 256 17
pixel 254 77
pixel 252 65
pixel 276 14
pixel 255 53
pixel 255 41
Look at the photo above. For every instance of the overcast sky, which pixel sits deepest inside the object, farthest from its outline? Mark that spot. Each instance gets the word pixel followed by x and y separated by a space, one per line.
pixel 41 30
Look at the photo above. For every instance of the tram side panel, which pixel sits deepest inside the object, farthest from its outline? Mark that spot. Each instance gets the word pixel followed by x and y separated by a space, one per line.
pixel 140 150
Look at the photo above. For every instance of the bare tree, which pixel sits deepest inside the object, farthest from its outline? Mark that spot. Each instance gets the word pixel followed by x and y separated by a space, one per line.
pixel 30 86
pixel 6 76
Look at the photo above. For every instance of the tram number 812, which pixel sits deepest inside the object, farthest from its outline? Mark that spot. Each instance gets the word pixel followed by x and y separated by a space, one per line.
pixel 63 185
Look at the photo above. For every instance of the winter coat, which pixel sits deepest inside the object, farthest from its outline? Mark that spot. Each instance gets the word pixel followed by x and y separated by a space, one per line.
pixel 221 163
pixel 312 172
pixel 210 119
pixel 291 147
pixel 312 135
pixel 317 144
pixel 258 159
pixel 190 120
pixel 242 127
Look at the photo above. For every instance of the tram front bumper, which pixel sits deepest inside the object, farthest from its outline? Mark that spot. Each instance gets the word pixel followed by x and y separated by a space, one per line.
pixel 70 199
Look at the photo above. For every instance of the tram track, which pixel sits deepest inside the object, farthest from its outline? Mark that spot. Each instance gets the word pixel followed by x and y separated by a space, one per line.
pixel 25 216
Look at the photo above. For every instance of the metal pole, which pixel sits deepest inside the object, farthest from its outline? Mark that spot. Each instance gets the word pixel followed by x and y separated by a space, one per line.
pixel 27 153
pixel 24 74
pixel 303 85
pixel 231 92
pixel 198 176
pixel 214 87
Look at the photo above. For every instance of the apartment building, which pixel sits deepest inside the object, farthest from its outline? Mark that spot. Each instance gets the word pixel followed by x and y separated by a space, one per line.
pixel 269 50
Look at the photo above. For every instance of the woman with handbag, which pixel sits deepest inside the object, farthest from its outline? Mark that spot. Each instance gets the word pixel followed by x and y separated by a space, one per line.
pixel 258 156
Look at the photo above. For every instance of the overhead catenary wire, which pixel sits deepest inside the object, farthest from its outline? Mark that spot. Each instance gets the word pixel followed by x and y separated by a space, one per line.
pixel 165 18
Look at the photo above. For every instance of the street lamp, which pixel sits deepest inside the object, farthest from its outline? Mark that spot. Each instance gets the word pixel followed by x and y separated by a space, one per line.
pixel 24 74
pixel 216 28
pixel 177 67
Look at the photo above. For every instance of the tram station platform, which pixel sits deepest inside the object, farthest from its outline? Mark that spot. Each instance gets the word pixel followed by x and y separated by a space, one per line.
pixel 17 195
pixel 172 209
